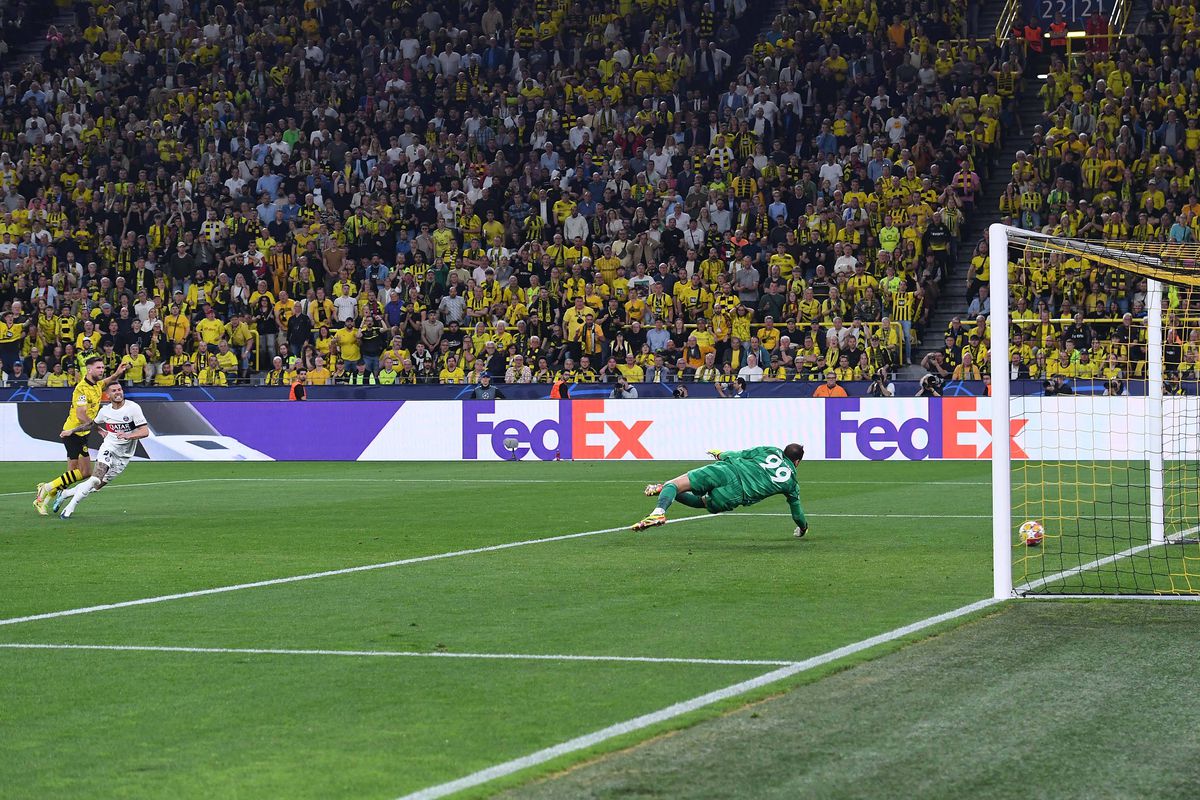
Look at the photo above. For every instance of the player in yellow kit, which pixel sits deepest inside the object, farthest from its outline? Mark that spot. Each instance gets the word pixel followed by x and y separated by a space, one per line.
pixel 85 404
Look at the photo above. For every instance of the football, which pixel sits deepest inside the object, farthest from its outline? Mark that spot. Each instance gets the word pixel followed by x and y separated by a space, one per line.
pixel 1031 533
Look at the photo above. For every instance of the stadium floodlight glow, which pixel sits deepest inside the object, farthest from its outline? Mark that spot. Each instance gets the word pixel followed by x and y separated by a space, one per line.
pixel 1106 457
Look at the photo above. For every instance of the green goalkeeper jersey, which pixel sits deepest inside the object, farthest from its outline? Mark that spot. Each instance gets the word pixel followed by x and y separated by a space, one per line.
pixel 764 472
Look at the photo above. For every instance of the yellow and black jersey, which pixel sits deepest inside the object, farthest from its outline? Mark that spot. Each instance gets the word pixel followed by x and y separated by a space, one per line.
pixel 85 403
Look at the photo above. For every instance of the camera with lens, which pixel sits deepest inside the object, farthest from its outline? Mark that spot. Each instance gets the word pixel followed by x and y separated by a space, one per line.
pixel 931 386
pixel 879 384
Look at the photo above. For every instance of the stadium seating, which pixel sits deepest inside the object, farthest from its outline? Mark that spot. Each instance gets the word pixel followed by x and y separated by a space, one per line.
pixel 1114 159
pixel 272 184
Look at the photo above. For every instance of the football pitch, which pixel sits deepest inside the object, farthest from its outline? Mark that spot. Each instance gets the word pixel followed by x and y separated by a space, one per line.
pixel 392 630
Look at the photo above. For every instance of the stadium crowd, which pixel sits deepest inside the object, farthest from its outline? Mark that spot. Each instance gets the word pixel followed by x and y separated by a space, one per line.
pixel 1114 159
pixel 540 191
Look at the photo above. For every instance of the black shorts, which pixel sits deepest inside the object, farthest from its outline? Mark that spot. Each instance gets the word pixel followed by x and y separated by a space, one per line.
pixel 76 446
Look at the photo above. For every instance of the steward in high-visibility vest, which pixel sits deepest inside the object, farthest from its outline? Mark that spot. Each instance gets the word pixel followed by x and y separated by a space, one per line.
pixel 1033 36
pixel 1058 32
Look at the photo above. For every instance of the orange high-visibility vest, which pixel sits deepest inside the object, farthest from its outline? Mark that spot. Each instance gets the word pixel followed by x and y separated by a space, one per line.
pixel 1058 34
pixel 1033 37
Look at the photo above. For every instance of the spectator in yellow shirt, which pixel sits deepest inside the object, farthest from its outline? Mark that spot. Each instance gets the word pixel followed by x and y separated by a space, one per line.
pixel 242 338
pixel 57 379
pixel 176 326
pixel 210 328
pixel 136 371
pixel 319 375
pixel 227 360
pixel 211 375
pixel 88 339
pixel 452 372
pixel 632 372
pixel 348 342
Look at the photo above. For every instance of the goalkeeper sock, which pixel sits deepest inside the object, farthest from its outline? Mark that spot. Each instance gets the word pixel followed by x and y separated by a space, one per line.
pixel 83 491
pixel 667 496
pixel 691 499
pixel 66 479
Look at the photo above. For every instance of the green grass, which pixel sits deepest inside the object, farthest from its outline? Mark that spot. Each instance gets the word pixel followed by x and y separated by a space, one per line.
pixel 188 724
pixel 890 544
pixel 1097 509
pixel 1043 700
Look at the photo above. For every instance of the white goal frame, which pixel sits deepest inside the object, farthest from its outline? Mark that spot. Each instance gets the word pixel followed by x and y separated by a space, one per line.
pixel 999 237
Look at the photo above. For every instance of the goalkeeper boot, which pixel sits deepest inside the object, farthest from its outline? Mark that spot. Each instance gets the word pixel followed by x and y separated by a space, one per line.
pixel 653 489
pixel 657 517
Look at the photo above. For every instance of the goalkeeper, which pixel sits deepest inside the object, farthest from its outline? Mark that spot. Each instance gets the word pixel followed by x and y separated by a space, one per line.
pixel 739 478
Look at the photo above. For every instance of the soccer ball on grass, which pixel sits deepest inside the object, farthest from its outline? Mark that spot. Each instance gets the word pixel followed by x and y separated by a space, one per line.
pixel 1031 533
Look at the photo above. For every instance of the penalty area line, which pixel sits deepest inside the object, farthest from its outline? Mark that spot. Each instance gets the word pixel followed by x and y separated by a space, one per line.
pixel 687 706
pixel 284 651
pixel 71 612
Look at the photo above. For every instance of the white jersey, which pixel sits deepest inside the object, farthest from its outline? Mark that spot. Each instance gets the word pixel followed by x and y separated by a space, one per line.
pixel 120 420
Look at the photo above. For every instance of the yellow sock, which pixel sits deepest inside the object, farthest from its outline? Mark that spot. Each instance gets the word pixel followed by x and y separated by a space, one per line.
pixel 66 479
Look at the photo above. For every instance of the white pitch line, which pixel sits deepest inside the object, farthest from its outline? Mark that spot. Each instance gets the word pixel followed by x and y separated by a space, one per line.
pixel 274 651
pixel 474 480
pixel 326 574
pixel 687 706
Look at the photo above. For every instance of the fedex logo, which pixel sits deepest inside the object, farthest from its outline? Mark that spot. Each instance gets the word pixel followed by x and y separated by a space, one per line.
pixel 578 432
pixel 951 428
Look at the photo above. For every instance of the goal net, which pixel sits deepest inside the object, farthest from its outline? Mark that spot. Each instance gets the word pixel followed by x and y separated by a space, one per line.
pixel 1099 395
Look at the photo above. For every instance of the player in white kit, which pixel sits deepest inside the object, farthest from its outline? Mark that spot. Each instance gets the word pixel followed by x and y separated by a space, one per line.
pixel 125 424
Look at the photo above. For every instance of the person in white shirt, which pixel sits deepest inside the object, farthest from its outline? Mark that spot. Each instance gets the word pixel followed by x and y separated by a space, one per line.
pixel 124 423
pixel 831 171
pixel 845 262
pixel 345 307
pixel 576 226
pixel 752 372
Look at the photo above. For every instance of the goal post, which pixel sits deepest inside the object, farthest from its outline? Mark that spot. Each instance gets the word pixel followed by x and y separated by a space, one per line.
pixel 1094 415
pixel 1001 445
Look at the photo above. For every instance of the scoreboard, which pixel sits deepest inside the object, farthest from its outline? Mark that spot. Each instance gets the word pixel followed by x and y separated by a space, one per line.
pixel 1075 12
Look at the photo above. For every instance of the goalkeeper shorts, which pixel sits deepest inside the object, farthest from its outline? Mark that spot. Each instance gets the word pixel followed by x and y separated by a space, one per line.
pixel 719 485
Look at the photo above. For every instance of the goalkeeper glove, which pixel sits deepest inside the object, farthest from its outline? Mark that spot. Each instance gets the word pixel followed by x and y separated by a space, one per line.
pixel 716 454
pixel 800 531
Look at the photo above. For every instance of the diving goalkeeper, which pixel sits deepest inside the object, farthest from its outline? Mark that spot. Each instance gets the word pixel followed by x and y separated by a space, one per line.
pixel 738 478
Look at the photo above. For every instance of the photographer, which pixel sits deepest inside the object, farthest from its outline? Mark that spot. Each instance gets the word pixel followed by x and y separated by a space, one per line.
pixel 1114 388
pixel 1057 385
pixel 624 390
pixel 931 386
pixel 680 392
pixel 880 385
pixel 735 389
pixel 935 364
